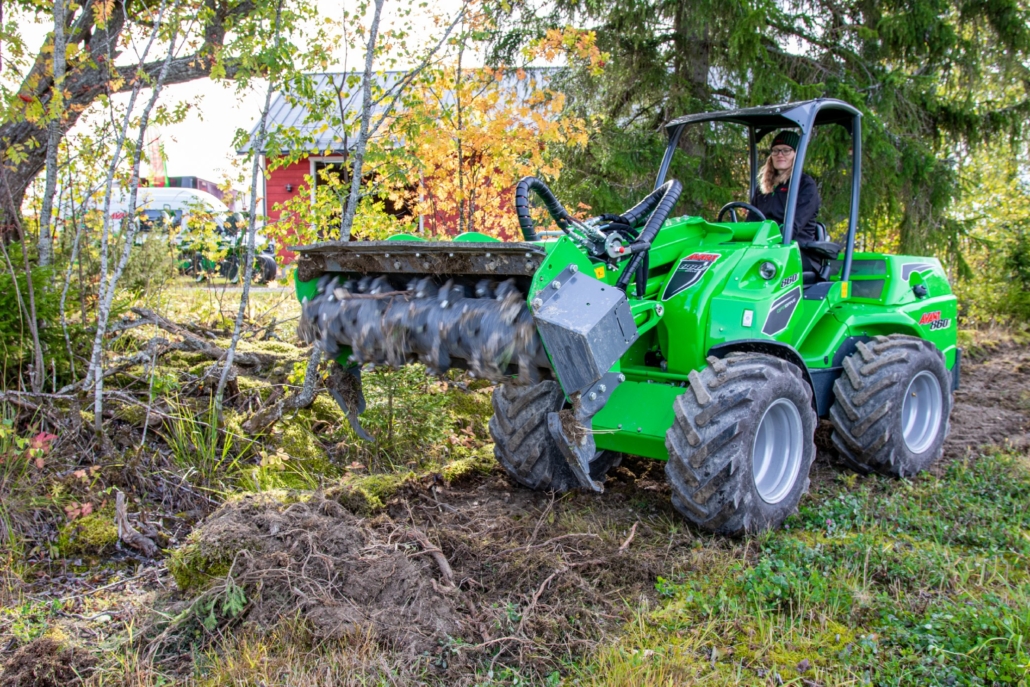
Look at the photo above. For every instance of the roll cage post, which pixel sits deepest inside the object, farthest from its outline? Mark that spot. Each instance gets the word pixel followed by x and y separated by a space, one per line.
pixel 761 121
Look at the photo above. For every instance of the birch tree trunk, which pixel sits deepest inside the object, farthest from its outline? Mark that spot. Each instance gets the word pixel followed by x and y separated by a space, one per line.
pixel 95 360
pixel 248 272
pixel 363 131
pixel 129 237
pixel 46 243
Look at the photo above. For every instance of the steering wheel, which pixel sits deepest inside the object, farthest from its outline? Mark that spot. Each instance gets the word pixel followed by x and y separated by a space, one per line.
pixel 737 204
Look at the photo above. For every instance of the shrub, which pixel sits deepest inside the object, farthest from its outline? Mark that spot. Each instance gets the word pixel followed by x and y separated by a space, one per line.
pixel 15 336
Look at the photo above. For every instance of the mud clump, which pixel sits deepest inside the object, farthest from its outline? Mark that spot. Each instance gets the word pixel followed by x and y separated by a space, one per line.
pixel 317 561
pixel 46 663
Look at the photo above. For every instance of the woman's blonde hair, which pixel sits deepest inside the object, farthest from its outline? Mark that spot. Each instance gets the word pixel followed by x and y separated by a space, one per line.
pixel 769 177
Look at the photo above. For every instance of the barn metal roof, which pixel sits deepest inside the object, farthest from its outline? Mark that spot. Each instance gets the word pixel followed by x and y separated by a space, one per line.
pixel 289 110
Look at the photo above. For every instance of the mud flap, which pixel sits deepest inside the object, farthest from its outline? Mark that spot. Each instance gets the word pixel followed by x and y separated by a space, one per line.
pixel 572 429
pixel 344 385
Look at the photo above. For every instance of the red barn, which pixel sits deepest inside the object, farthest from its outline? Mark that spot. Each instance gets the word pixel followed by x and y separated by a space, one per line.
pixel 291 119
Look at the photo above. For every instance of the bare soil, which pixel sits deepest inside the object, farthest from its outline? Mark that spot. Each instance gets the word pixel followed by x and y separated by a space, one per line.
pixel 992 403
pixel 46 663
pixel 318 561
pixel 527 579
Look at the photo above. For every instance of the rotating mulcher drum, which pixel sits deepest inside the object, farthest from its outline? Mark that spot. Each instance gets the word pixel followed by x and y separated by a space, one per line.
pixel 701 343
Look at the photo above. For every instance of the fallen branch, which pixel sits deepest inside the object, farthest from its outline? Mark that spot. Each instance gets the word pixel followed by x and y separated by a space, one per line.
pixel 272 413
pixel 126 532
pixel 194 344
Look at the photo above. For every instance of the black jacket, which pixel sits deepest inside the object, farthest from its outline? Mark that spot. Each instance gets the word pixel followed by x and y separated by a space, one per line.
pixel 774 206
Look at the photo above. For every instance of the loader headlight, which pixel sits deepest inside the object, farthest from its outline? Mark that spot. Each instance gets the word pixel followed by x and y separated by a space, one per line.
pixel 767 270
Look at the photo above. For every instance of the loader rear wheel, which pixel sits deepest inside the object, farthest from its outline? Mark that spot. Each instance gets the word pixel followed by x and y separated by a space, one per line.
pixel 891 407
pixel 523 445
pixel 741 444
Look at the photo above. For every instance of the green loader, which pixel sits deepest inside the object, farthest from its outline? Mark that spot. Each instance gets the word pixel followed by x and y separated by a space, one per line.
pixel 701 343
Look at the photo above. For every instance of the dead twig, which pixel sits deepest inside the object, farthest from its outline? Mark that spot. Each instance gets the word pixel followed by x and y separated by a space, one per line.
pixel 537 595
pixel 629 539
pixel 541 545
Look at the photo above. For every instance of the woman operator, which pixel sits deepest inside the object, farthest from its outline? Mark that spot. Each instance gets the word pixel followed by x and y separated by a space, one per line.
pixel 771 195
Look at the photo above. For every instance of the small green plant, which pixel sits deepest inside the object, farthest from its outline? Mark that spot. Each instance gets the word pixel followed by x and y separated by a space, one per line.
pixel 214 609
pixel 209 457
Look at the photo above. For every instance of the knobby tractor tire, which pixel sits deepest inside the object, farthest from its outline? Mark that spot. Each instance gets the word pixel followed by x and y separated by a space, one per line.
pixel 524 446
pixel 869 401
pixel 522 443
pixel 713 439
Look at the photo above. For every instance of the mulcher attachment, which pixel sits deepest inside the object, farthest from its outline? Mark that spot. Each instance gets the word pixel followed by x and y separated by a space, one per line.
pixel 485 326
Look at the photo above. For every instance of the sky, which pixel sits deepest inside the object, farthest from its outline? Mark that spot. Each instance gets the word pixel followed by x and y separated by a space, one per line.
pixel 201 145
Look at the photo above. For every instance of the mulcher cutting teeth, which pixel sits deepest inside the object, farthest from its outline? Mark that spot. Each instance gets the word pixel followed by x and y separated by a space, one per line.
pixel 484 327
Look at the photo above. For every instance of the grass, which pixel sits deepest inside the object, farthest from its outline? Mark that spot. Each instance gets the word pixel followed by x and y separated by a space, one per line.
pixel 885 583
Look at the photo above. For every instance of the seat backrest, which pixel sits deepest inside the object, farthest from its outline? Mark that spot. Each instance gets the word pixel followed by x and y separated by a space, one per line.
pixel 820 232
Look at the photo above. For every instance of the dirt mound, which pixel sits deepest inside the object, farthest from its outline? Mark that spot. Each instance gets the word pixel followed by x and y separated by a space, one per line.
pixel 445 577
pixel 46 663
pixel 318 561
pixel 992 404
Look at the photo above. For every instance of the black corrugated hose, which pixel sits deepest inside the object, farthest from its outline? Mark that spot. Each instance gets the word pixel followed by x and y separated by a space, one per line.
pixel 558 212
pixel 668 193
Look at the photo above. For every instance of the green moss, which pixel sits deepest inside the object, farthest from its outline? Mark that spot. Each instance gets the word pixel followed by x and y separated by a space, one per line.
pixel 232 423
pixel 479 461
pixel 131 413
pixel 369 493
pixel 200 369
pixel 465 404
pixel 325 409
pixel 263 389
pixel 181 360
pixel 300 444
pixel 193 569
pixel 92 535
pixel 269 347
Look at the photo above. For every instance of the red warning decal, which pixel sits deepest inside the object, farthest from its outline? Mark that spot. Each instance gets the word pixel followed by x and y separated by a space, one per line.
pixel 688 272
pixel 929 317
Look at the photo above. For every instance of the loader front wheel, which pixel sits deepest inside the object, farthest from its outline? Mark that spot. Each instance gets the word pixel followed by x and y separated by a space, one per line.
pixel 522 443
pixel 891 406
pixel 741 444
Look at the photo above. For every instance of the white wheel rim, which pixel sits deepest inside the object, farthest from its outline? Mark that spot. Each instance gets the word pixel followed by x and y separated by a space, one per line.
pixel 776 453
pixel 922 412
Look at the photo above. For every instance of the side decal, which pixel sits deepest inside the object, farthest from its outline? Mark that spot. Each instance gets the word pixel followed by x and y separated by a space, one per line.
pixel 934 320
pixel 688 272
pixel 907 270
pixel 780 312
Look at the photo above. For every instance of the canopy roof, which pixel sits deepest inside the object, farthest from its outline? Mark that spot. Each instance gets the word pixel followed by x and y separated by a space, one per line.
pixel 801 114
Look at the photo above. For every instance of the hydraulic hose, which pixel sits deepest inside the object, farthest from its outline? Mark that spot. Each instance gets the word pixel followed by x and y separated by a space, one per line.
pixel 558 212
pixel 667 194
pixel 635 214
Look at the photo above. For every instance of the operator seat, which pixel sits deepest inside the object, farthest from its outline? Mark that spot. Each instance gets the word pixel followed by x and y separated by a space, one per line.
pixel 820 253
